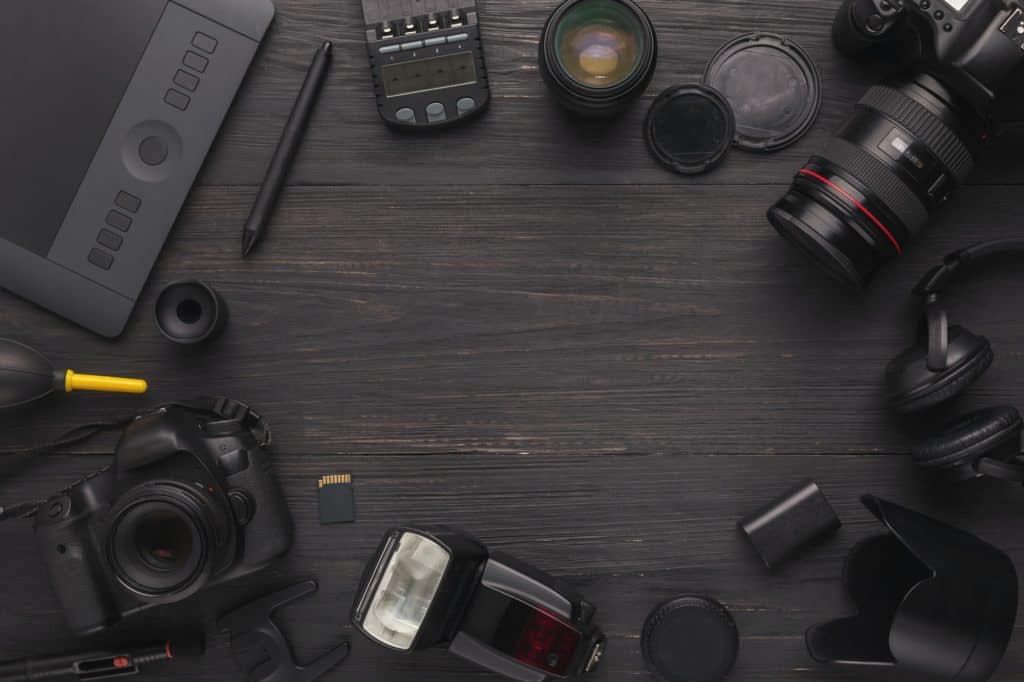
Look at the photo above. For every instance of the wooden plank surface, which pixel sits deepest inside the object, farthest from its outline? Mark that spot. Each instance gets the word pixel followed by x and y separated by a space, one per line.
pixel 525 327
pixel 543 319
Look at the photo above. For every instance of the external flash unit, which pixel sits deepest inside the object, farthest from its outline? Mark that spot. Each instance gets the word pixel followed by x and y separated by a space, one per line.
pixel 440 587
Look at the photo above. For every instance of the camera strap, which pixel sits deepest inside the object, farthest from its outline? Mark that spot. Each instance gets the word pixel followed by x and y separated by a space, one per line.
pixel 75 436
pixel 226 413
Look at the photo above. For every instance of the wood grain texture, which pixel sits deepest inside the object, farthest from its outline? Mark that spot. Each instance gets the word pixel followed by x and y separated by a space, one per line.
pixel 542 319
pixel 526 328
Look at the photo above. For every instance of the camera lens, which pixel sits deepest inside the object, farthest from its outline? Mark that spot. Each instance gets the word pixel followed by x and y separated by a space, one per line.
pixel 598 55
pixel 893 163
pixel 164 539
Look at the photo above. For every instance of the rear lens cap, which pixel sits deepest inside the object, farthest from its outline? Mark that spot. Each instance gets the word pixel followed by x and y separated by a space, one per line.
pixel 772 86
pixel 690 639
pixel 690 128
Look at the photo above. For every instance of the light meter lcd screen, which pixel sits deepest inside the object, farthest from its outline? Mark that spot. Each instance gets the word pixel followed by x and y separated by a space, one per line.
pixel 423 75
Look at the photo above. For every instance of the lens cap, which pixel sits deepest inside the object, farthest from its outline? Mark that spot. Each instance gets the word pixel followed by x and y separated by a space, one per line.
pixel 690 639
pixel 773 87
pixel 690 128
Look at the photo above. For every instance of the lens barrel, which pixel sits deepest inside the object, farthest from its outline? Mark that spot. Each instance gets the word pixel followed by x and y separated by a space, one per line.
pixel 166 540
pixel 905 149
pixel 597 56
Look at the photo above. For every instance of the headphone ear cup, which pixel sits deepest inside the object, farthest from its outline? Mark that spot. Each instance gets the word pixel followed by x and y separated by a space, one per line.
pixel 913 386
pixel 958 446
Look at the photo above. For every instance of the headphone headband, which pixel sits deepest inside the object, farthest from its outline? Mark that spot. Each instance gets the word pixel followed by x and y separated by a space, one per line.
pixel 940 276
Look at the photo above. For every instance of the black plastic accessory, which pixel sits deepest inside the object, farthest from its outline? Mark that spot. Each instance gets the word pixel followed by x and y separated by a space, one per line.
pixel 773 87
pixel 691 638
pixel 943 362
pixel 190 311
pixel 933 602
pixel 789 523
pixel 690 128
pixel 261 650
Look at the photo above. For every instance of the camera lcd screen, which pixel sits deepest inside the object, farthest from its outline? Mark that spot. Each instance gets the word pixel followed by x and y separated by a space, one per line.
pixel 423 75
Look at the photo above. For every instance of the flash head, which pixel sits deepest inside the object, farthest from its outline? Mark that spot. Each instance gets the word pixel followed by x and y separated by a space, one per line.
pixel 440 587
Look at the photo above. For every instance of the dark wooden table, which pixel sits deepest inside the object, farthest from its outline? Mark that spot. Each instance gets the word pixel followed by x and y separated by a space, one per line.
pixel 526 328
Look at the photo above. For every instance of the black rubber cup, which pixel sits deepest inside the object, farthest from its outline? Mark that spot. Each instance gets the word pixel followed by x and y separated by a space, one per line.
pixel 772 86
pixel 690 128
pixel 690 639
pixel 190 312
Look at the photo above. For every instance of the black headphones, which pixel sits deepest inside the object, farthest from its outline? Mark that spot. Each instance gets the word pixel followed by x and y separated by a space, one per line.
pixel 941 365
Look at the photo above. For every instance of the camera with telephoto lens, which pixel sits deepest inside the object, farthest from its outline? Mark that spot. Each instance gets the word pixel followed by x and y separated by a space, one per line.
pixel 189 502
pixel 911 142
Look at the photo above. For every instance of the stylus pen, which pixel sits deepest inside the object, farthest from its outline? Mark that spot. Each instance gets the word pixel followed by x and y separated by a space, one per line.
pixel 287 148
pixel 95 665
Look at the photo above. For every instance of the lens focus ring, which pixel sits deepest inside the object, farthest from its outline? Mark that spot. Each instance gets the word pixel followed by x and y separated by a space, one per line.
pixel 880 180
pixel 924 125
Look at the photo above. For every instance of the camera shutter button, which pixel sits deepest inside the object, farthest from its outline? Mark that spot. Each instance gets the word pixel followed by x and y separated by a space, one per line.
pixel 241 505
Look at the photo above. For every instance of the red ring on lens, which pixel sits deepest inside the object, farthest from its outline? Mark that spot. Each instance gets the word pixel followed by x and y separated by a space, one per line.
pixel 863 209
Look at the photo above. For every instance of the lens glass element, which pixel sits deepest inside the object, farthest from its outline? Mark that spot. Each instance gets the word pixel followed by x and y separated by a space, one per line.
pixel 163 540
pixel 157 546
pixel 599 43
pixel 406 590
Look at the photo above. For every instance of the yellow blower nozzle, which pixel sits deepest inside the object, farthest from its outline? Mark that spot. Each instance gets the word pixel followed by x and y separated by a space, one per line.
pixel 92 382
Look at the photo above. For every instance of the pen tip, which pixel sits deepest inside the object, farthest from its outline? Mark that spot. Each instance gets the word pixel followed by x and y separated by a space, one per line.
pixel 248 241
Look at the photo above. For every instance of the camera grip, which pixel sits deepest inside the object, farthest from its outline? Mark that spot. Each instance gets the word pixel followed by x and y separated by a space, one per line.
pixel 76 570
pixel 269 532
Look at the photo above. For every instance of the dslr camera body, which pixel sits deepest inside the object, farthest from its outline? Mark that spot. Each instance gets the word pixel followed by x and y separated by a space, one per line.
pixel 189 502
pixel 911 142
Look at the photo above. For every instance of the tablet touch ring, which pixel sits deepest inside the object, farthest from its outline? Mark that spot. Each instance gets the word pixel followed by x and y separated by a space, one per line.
pixel 151 151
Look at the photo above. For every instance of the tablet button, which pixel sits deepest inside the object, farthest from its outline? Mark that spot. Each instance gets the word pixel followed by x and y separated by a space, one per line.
pixel 204 42
pixel 119 221
pixel 101 259
pixel 109 239
pixel 128 202
pixel 194 61
pixel 153 150
pixel 178 100
pixel 184 79
pixel 405 115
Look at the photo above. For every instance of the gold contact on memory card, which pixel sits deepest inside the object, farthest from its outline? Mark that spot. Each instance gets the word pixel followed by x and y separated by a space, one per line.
pixel 335 479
